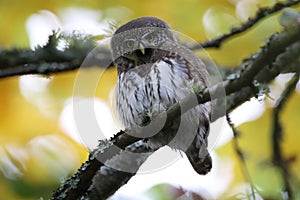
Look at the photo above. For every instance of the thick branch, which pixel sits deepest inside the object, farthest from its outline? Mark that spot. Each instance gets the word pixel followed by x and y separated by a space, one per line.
pixel 115 176
pixel 262 67
pixel 82 180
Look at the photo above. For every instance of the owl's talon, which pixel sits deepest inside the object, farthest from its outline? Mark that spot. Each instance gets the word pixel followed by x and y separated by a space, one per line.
pixel 145 120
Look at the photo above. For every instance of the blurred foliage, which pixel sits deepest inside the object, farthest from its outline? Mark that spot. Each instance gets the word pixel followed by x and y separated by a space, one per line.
pixel 35 152
pixel 170 192
pixel 255 142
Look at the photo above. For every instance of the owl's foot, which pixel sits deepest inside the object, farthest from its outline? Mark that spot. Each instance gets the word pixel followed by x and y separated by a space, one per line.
pixel 144 119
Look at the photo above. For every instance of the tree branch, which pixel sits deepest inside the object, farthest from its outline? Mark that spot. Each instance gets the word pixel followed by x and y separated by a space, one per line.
pixel 258 70
pixel 117 178
pixel 277 136
pixel 55 57
pixel 77 186
pixel 241 157
pixel 261 14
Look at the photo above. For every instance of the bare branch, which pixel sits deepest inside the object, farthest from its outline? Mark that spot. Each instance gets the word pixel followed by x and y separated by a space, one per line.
pixel 277 136
pixel 261 14
pixel 261 68
pixel 240 155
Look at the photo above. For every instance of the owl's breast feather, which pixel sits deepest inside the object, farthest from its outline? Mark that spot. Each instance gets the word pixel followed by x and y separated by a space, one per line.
pixel 149 90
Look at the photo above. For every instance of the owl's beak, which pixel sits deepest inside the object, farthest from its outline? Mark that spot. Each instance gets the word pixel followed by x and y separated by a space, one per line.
pixel 142 48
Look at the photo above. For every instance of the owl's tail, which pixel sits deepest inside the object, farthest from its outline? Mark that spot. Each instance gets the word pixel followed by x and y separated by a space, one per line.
pixel 197 152
pixel 201 164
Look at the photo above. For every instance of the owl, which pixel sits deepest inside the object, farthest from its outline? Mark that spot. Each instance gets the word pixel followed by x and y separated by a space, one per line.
pixel 155 72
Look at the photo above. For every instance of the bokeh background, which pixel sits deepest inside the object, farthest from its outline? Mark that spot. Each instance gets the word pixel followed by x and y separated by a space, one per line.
pixel 39 145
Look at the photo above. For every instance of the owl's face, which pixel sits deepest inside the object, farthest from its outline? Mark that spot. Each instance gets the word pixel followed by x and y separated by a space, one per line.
pixel 139 42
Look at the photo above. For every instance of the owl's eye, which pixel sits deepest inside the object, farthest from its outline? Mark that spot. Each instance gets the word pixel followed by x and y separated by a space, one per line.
pixel 150 37
pixel 129 44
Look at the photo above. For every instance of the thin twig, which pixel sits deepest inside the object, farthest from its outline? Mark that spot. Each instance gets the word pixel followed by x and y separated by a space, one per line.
pixel 277 135
pixel 240 155
pixel 261 14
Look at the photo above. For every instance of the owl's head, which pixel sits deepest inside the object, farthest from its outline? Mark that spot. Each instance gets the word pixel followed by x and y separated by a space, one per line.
pixel 138 40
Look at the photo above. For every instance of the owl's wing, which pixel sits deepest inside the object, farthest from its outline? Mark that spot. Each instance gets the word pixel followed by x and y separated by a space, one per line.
pixel 183 74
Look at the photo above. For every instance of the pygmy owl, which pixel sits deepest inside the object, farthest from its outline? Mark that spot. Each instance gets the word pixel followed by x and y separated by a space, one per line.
pixel 154 72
